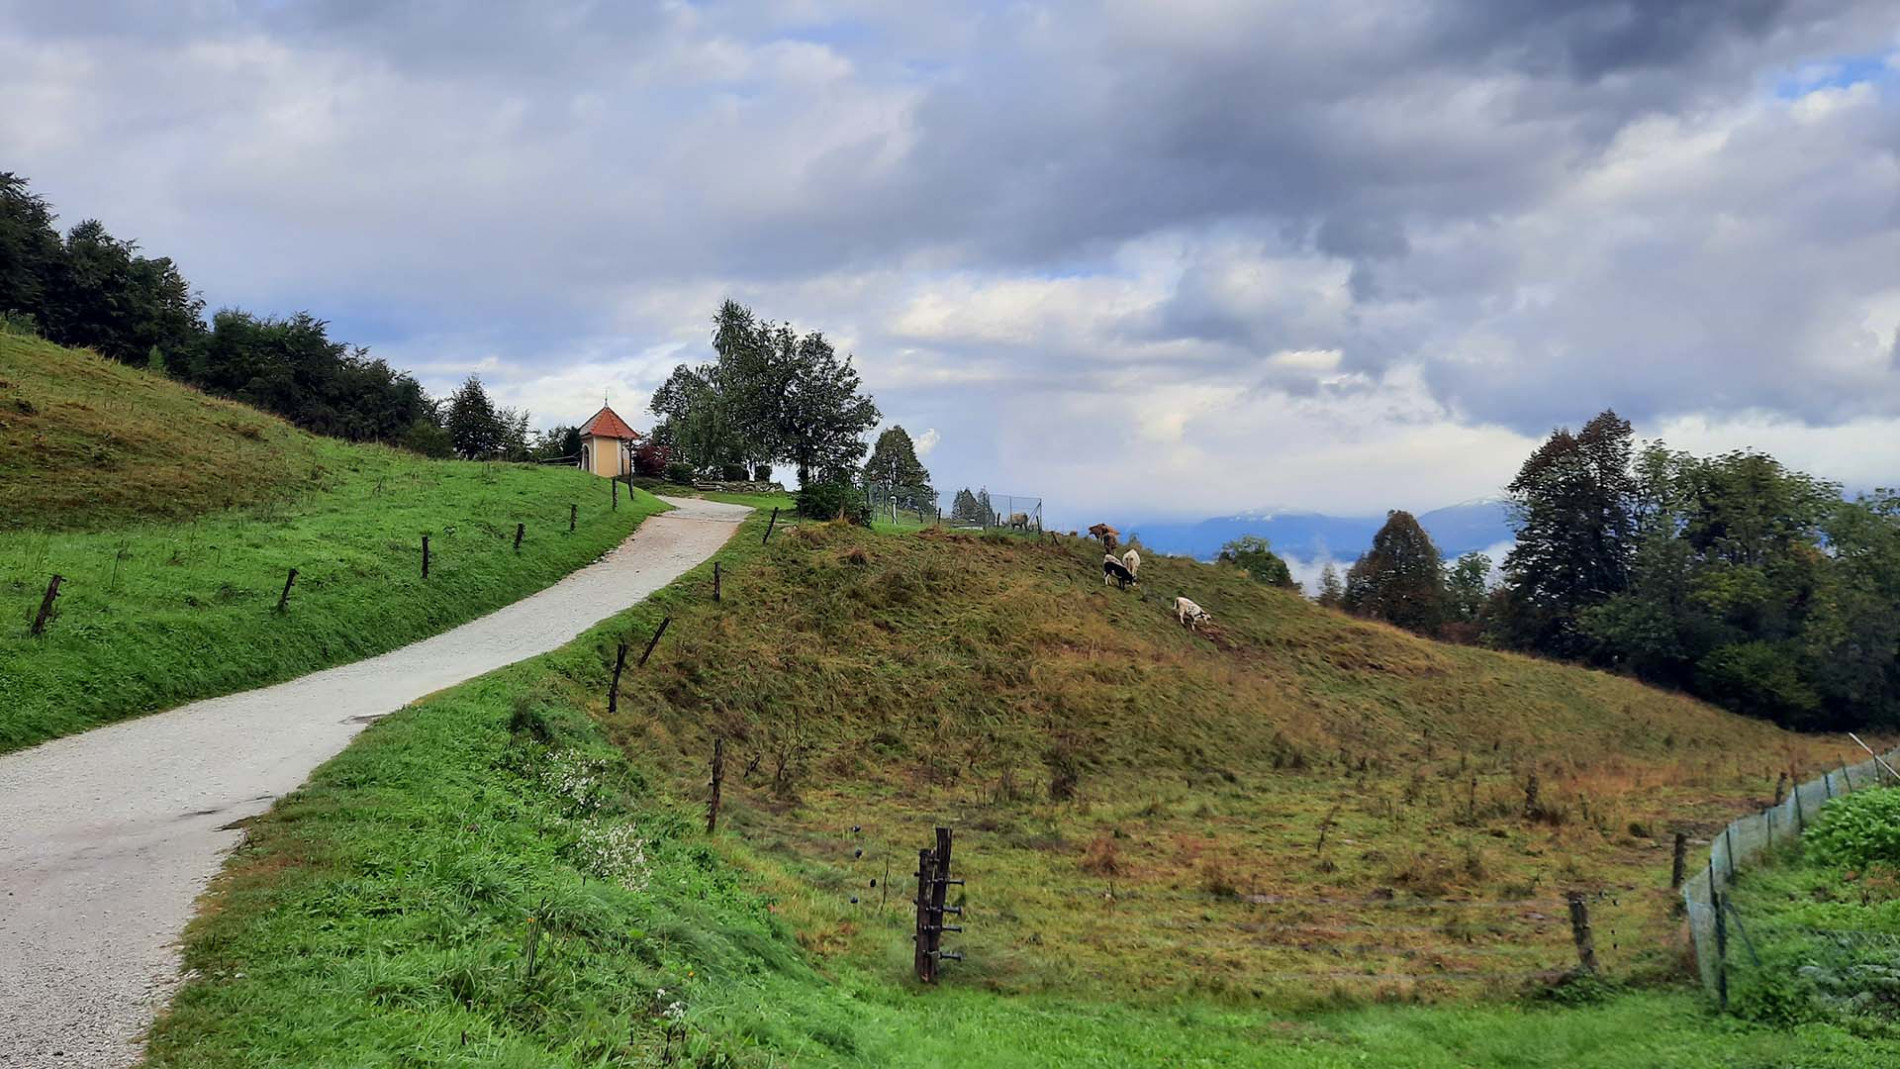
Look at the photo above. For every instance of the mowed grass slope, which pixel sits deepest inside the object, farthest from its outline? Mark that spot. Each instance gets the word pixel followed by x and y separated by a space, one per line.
pixel 388 912
pixel 158 609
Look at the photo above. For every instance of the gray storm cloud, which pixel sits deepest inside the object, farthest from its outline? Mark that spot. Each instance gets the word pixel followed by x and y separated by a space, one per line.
pixel 1126 241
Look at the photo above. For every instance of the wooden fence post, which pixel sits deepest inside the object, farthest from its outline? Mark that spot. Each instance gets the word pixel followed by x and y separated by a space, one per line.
pixel 715 580
pixel 613 689
pixel 283 600
pixel 425 556
pixel 769 524
pixel 718 777
pixel 520 529
pixel 46 606
pixel 616 492
pixel 1681 859
pixel 1721 950
pixel 655 640
pixel 1530 797
pixel 921 961
pixel 1580 932
pixel 573 513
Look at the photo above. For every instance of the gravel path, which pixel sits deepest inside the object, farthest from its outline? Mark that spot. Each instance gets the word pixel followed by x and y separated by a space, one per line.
pixel 107 838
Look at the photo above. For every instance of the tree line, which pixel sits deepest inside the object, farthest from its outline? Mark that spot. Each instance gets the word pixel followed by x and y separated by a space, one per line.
pixel 89 289
pixel 1730 577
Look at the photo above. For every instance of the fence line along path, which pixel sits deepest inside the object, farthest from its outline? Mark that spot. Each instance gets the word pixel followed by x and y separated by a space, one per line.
pixel 1744 838
pixel 107 838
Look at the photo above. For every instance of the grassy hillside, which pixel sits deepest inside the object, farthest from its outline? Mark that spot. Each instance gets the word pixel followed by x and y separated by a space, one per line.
pixel 385 913
pixel 91 443
pixel 1295 803
pixel 170 596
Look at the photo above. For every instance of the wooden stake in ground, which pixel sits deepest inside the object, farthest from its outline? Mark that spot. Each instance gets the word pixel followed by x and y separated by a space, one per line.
pixel 769 524
pixel 520 529
pixel 924 965
pixel 655 640
pixel 46 606
pixel 1580 931
pixel 425 556
pixel 1679 861
pixel 715 580
pixel 616 493
pixel 283 600
pixel 718 776
pixel 613 689
pixel 573 511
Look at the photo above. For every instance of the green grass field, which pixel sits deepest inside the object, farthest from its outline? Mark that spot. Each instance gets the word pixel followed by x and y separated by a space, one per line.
pixel 158 609
pixel 387 913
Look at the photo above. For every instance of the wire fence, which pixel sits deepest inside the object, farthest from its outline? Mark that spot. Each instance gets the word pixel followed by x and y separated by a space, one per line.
pixel 1705 894
pixel 965 509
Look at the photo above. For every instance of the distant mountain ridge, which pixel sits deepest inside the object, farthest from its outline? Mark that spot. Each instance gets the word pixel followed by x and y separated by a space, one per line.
pixel 1309 536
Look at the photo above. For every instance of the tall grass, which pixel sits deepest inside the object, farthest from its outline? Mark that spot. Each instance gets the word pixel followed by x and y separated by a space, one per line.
pixel 384 915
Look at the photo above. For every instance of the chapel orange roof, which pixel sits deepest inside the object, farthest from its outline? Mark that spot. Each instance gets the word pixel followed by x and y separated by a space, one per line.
pixel 607 424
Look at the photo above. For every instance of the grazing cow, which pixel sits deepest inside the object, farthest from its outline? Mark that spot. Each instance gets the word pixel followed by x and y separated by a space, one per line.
pixel 1192 616
pixel 1110 537
pixel 1114 571
pixel 1019 521
pixel 1132 561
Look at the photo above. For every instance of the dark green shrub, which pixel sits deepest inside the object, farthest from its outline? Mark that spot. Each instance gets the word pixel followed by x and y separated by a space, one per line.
pixel 762 473
pixel 834 501
pixel 733 473
pixel 678 471
pixel 1858 830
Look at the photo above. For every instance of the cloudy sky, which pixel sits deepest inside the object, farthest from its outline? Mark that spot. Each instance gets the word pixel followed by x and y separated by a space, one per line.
pixel 1185 257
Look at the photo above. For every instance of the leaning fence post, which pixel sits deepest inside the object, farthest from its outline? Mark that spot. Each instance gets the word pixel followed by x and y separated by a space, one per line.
pixel 1681 858
pixel 1800 820
pixel 769 524
pixel 616 492
pixel 718 776
pixel 1721 950
pixel 46 606
pixel 283 600
pixel 425 556
pixel 613 689
pixel 1580 932
pixel 520 529
pixel 1728 842
pixel 715 580
pixel 655 640
pixel 573 512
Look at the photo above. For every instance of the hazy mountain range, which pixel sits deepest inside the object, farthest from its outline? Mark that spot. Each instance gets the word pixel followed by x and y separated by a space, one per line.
pixel 1314 536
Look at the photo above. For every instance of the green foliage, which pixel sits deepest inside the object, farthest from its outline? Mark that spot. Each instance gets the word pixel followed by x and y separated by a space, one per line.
pixel 1332 592
pixel 427 438
pixel 679 472
pixel 1467 587
pixel 1575 532
pixel 92 290
pixel 1728 576
pixel 894 474
pixel 1400 579
pixel 1255 556
pixel 834 500
pixel 1856 831
pixel 772 394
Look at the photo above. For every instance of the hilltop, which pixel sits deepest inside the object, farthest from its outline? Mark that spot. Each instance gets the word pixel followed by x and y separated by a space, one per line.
pixel 1219 849
pixel 91 442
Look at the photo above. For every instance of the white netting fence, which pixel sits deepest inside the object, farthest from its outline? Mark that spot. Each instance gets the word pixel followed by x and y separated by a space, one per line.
pixel 1745 838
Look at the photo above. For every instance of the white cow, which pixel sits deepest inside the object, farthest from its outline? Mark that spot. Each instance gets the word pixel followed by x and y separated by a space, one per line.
pixel 1132 561
pixel 1192 616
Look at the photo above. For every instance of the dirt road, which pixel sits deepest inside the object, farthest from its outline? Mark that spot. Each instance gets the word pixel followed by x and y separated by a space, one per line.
pixel 107 838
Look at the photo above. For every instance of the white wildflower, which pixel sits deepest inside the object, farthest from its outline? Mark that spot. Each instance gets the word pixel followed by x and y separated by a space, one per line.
pixel 614 852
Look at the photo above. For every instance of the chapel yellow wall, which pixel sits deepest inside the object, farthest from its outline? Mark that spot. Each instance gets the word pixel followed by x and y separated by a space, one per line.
pixel 608 455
